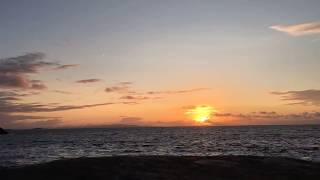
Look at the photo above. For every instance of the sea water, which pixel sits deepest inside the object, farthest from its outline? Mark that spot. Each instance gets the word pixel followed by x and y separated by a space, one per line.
pixel 22 147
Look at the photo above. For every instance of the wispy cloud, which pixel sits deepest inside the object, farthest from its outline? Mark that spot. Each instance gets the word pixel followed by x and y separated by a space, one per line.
pixel 177 91
pixel 122 87
pixel 15 71
pixel 305 97
pixel 299 29
pixel 61 92
pixel 85 81
pixel 25 121
pixel 130 97
pixel 37 85
pixel 28 63
pixel 274 117
pixel 10 107
pixel 10 102
pixel 125 89
pixel 66 66
pixel 131 120
pixel 14 113
pixel 255 115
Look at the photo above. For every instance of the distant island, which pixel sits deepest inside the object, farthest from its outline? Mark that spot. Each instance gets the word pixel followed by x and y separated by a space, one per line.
pixel 2 131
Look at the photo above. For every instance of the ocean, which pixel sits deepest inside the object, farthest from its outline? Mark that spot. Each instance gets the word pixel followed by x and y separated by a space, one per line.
pixel 22 147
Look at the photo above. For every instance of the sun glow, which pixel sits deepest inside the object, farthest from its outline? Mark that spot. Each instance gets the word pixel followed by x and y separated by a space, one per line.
pixel 201 114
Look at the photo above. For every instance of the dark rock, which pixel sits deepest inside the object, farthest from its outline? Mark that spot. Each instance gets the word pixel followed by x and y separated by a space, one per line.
pixel 2 131
pixel 168 168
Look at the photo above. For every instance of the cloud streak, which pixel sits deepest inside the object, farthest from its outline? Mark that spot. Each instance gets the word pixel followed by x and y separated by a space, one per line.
pixel 299 29
pixel 11 110
pixel 131 120
pixel 130 97
pixel 10 107
pixel 61 92
pixel 85 81
pixel 122 87
pixel 25 121
pixel 15 114
pixel 274 117
pixel 66 66
pixel 176 91
pixel 125 89
pixel 305 97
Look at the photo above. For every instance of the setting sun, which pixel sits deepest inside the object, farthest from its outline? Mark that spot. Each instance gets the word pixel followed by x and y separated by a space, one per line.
pixel 201 114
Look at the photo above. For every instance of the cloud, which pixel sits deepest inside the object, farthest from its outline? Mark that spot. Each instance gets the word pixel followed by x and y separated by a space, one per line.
pixel 173 123
pixel 138 121
pixel 37 107
pixel 177 91
pixel 12 96
pixel 88 81
pixel 13 120
pixel 134 97
pixel 9 103
pixel 13 112
pixel 61 92
pixel 305 97
pixel 50 123
pixel 37 85
pixel 127 83
pixel 261 114
pixel 66 66
pixel 22 121
pixel 15 71
pixel 131 120
pixel 299 29
pixel 254 118
pixel 13 81
pixel 122 87
pixel 273 117
pixel 130 102
pixel 71 107
pixel 130 97
pixel 28 63
pixel 9 117
pixel 125 87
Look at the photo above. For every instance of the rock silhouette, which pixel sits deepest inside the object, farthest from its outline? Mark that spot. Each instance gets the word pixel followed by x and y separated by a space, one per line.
pixel 2 131
pixel 168 167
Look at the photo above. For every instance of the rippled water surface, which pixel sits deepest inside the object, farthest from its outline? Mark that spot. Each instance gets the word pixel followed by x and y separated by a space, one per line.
pixel 35 146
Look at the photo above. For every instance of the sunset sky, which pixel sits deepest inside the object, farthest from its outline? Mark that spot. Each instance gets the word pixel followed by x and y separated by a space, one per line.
pixel 159 63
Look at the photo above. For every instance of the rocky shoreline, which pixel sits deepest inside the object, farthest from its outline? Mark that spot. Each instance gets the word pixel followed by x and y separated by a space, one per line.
pixel 168 167
pixel 2 131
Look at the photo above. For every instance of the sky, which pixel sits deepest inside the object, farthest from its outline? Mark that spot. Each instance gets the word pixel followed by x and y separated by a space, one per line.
pixel 81 63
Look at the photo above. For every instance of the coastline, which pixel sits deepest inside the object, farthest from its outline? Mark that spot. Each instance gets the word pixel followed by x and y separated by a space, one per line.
pixel 168 167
